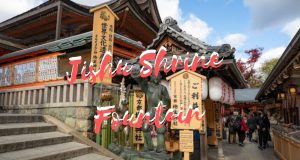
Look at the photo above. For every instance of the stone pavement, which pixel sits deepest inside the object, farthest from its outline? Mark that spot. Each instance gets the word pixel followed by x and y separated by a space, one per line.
pixel 249 151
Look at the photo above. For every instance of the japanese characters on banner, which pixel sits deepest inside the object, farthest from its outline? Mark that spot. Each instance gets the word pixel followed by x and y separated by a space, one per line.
pixel 47 69
pixel 186 91
pixel 103 36
pixel 25 72
pixel 218 120
pixel 5 76
pixel 138 104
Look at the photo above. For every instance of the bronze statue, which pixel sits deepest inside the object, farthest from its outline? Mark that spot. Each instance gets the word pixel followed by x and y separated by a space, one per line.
pixel 155 92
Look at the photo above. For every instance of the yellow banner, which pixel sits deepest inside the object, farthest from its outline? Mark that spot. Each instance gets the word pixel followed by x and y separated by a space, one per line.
pixel 103 36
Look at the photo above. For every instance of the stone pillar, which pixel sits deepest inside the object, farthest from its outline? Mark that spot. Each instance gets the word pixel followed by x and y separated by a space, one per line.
pixel 78 92
pixel 71 93
pixel 40 96
pixel 203 146
pixel 65 93
pixel 220 149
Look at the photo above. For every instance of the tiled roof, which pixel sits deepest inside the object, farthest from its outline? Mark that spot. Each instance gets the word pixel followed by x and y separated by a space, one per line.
pixel 68 43
pixel 246 95
pixel 169 27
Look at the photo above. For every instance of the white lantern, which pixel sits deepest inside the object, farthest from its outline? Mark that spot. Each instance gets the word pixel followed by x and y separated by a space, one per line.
pixel 215 88
pixel 204 89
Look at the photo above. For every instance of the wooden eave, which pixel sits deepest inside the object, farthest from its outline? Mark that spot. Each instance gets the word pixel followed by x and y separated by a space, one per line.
pixel 136 10
pixel 40 10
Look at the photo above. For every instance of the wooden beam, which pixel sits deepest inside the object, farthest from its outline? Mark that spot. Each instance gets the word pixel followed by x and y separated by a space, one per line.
pixel 58 21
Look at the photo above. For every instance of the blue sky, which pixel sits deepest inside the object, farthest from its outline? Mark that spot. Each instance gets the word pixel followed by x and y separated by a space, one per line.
pixel 244 24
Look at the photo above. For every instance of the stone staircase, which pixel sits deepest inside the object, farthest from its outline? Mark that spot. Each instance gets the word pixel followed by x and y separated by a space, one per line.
pixel 24 137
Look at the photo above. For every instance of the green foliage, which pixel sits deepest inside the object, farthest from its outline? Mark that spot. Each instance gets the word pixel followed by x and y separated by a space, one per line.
pixel 267 66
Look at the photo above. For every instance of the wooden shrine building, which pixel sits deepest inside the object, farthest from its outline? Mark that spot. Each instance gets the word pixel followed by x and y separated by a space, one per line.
pixel 35 48
pixel 281 93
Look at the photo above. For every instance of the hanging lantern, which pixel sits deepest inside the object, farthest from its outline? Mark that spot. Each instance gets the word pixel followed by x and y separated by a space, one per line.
pixel 204 89
pixel 292 90
pixel 215 86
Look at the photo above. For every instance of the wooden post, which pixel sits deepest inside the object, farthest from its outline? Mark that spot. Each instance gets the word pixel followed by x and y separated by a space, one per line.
pixel 58 21
pixel 186 156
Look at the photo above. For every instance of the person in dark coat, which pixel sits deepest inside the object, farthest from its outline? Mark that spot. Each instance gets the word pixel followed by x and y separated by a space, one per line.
pixel 263 131
pixel 251 123
pixel 241 130
pixel 232 131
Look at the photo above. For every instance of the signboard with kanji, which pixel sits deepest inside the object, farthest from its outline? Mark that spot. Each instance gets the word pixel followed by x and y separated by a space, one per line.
pixel 218 120
pixel 138 104
pixel 103 36
pixel 186 91
pixel 186 141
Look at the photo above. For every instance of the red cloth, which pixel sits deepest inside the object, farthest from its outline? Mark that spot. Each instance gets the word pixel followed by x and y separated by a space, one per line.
pixel 243 126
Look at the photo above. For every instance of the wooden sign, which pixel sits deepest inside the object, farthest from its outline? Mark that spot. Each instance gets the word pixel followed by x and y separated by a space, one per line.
pixel 138 104
pixel 47 68
pixel 6 75
pixel 25 72
pixel 186 141
pixel 218 120
pixel 103 36
pixel 186 91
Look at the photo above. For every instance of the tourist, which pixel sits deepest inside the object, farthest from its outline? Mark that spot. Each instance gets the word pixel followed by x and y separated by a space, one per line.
pixel 232 132
pixel 263 131
pixel 252 126
pixel 241 130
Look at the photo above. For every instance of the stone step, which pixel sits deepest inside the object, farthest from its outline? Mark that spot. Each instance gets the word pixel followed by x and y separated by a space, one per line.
pixel 91 156
pixel 24 141
pixel 52 152
pixel 19 118
pixel 25 128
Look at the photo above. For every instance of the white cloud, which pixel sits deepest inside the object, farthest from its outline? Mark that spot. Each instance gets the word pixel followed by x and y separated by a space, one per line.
pixel 192 24
pixel 266 13
pixel 15 7
pixel 292 27
pixel 235 40
pixel 169 8
pixel 90 2
pixel 270 54
pixel 197 27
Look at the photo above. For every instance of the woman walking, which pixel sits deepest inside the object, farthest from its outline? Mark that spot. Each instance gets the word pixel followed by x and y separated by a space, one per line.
pixel 242 130
pixel 252 126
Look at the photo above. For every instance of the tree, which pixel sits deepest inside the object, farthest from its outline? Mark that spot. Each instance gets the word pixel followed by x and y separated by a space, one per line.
pixel 267 66
pixel 247 67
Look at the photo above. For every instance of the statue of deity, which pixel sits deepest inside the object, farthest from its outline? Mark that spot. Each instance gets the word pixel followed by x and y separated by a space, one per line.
pixel 155 92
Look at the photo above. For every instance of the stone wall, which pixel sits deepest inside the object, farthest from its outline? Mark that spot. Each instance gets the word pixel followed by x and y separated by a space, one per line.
pixel 71 104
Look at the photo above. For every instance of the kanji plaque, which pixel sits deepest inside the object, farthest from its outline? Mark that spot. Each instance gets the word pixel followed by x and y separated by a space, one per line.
pixel 186 91
pixel 103 36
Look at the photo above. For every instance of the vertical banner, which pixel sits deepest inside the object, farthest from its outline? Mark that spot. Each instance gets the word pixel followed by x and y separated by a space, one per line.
pixel 186 91
pixel 138 104
pixel 103 36
pixel 218 120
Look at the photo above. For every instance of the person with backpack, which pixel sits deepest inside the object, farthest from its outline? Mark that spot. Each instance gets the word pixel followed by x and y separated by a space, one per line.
pixel 230 125
pixel 263 131
pixel 251 123
pixel 241 129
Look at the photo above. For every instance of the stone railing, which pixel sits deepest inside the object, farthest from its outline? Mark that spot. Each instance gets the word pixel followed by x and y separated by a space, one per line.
pixel 54 94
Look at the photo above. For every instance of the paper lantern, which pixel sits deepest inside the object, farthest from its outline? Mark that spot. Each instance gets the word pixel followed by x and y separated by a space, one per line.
pixel 204 89
pixel 215 85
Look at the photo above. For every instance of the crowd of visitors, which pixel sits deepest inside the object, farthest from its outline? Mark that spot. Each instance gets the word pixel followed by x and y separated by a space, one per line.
pixel 256 127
